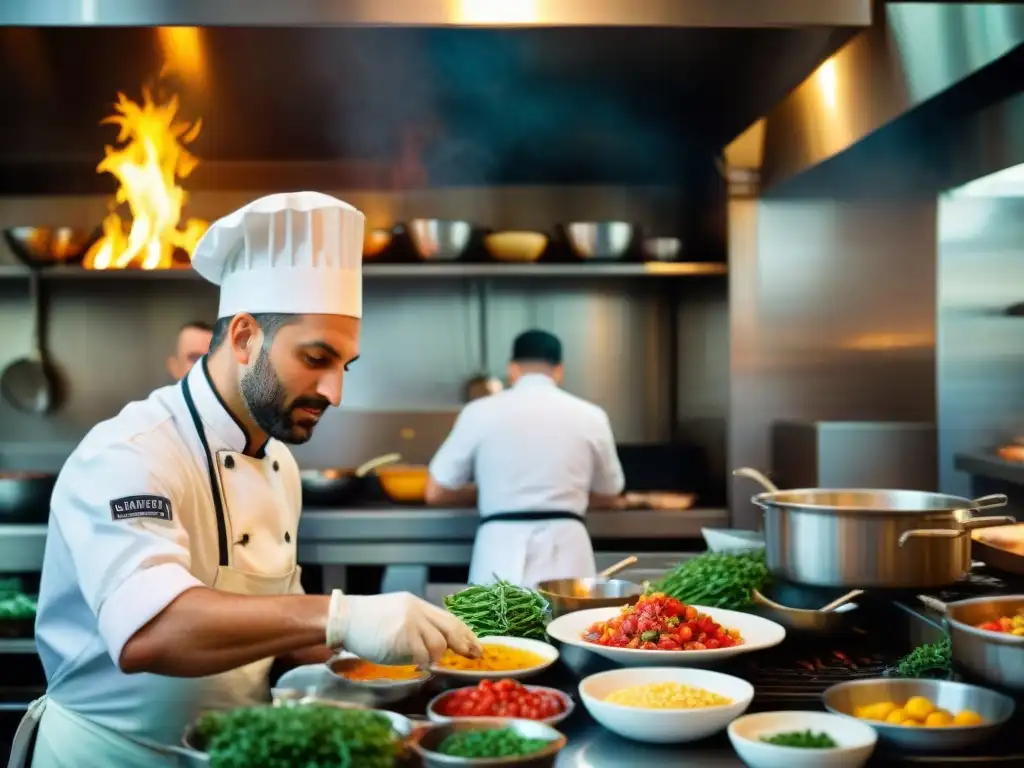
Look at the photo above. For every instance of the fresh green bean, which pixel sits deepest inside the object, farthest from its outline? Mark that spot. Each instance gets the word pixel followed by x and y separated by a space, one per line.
pixel 501 609
pixel 716 580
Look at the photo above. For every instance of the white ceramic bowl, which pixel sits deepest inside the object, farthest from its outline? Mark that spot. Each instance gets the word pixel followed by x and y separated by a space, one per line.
pixel 664 726
pixel 567 703
pixel 856 740
pixel 758 633
pixel 546 651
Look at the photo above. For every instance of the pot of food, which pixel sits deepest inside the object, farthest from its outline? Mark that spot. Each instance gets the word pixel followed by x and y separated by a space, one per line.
pixel 855 538
pixel 25 496
pixel 986 638
pixel 337 487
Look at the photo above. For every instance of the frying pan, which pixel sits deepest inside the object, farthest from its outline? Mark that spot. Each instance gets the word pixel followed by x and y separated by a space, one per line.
pixel 25 496
pixel 334 487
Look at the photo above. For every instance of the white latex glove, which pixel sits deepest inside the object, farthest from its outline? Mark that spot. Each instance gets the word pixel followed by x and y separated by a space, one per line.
pixel 397 628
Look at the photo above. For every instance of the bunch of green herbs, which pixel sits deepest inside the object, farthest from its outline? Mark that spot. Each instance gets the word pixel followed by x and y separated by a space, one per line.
pixel 932 660
pixel 501 609
pixel 717 579
pixel 310 735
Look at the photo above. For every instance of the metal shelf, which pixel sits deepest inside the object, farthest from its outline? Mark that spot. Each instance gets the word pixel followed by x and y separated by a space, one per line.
pixel 448 270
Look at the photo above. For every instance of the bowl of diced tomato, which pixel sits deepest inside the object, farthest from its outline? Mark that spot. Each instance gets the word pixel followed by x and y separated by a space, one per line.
pixel 501 698
pixel 660 630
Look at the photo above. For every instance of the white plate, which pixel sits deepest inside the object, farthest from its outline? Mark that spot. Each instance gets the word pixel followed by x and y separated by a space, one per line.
pixel 546 651
pixel 567 701
pixel 856 740
pixel 757 633
pixel 664 726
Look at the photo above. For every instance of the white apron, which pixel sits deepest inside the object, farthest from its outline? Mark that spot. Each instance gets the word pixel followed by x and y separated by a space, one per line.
pixel 248 496
pixel 525 548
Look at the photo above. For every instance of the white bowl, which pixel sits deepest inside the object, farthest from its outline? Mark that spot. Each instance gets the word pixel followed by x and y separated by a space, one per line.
pixel 546 651
pixel 664 726
pixel 856 740
pixel 757 633
pixel 729 540
pixel 435 717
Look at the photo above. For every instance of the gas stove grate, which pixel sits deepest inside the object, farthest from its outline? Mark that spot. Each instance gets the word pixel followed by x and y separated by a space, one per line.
pixel 803 677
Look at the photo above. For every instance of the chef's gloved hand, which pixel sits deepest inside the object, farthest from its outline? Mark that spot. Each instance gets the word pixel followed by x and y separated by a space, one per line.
pixel 397 628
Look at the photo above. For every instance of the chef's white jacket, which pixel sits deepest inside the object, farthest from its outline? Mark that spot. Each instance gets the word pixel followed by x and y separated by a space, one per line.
pixel 132 526
pixel 533 447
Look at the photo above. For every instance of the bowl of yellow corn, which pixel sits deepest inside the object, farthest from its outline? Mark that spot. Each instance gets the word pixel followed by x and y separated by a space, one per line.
pixel 923 715
pixel 665 705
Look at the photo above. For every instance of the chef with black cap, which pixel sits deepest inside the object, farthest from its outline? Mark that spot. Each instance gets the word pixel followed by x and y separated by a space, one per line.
pixel 169 581
pixel 533 458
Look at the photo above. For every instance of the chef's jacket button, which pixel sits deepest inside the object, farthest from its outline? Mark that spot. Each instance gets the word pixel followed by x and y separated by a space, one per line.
pixel 244 541
pixel 276 466
pixel 287 537
pixel 229 461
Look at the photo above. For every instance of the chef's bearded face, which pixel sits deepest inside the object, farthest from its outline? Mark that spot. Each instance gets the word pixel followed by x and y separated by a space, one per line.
pixel 297 372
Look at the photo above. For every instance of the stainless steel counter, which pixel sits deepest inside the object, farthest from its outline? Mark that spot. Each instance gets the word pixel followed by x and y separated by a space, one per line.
pixel 415 536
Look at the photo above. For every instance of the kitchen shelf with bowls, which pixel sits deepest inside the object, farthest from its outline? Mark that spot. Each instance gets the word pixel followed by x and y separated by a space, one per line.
pixel 649 269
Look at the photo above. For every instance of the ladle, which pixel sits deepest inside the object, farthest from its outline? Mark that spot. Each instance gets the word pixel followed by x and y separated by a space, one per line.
pixel 756 476
pixel 611 570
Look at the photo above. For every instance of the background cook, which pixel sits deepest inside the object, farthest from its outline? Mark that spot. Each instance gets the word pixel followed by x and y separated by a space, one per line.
pixel 169 581
pixel 539 457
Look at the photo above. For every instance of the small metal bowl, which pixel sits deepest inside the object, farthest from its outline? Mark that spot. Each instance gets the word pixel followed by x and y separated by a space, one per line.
pixel 836 622
pixel 994 708
pixel 49 246
pixel 375 692
pixel 600 239
pixel 662 248
pixel 569 595
pixel 430 739
pixel 439 240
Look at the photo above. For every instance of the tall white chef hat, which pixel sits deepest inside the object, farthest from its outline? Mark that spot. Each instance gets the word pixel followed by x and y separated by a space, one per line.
pixel 293 253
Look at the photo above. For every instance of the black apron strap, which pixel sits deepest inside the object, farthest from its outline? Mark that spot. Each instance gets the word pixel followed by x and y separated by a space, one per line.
pixel 218 505
pixel 524 517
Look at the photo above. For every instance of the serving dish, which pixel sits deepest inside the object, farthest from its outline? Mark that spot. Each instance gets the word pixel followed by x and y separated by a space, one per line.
pixel 664 726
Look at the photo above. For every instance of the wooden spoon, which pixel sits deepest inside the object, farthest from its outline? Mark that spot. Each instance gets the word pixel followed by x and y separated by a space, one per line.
pixel 380 461
pixel 611 570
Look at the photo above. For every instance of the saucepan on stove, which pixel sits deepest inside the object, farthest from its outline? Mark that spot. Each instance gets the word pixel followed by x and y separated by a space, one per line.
pixel 858 538
pixel 994 658
pixel 339 486
pixel 25 496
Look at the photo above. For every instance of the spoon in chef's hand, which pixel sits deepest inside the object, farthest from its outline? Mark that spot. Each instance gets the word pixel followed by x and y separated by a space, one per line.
pixel 611 570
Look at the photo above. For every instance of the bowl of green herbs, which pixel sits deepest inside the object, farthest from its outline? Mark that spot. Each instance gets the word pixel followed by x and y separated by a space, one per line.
pixel 489 742
pixel 314 735
pixel 802 739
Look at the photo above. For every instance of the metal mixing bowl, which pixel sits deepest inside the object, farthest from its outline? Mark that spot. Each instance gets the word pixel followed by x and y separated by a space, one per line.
pixel 992 658
pixel 994 708
pixel 49 246
pixel 600 239
pixel 439 240
pixel 568 595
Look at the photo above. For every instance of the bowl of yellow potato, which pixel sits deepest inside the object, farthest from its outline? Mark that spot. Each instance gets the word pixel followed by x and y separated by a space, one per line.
pixel 923 715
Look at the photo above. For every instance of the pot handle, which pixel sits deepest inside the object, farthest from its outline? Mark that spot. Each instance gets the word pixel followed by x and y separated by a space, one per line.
pixel 990 502
pixel 931 602
pixel 931 533
pixel 987 522
pixel 757 477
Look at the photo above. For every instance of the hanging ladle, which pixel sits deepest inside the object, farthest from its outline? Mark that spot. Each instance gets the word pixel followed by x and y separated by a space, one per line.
pixel 29 383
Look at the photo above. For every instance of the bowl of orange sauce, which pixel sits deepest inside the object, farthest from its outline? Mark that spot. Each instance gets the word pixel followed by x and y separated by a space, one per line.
pixel 376 683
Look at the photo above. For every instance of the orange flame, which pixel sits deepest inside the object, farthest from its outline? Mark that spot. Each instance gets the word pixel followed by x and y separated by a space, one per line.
pixel 147 168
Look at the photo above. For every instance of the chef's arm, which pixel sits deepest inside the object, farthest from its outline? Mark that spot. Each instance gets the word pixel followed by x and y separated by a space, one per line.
pixel 604 501
pixel 437 495
pixel 205 631
pixel 609 481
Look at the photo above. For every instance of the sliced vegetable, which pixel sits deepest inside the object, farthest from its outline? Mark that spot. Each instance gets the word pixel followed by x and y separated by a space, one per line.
pixel 718 580
pixel 501 609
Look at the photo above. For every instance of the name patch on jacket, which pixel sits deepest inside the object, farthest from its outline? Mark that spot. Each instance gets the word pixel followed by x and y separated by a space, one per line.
pixel 134 507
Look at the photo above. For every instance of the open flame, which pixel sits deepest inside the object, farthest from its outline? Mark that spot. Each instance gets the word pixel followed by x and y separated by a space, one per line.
pixel 147 167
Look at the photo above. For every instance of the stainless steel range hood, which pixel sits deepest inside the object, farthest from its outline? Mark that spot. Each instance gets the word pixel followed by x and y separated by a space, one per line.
pixel 594 91
pixel 437 13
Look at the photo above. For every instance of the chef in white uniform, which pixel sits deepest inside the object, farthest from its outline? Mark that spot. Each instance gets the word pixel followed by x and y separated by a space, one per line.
pixel 169 582
pixel 539 458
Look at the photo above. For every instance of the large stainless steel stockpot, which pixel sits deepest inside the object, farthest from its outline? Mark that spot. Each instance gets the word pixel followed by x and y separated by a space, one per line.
pixel 870 538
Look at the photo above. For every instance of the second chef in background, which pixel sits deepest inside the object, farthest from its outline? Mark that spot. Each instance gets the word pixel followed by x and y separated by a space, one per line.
pixel 533 458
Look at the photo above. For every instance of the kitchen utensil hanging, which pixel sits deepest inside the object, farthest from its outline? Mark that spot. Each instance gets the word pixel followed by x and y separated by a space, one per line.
pixel 482 383
pixel 30 383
